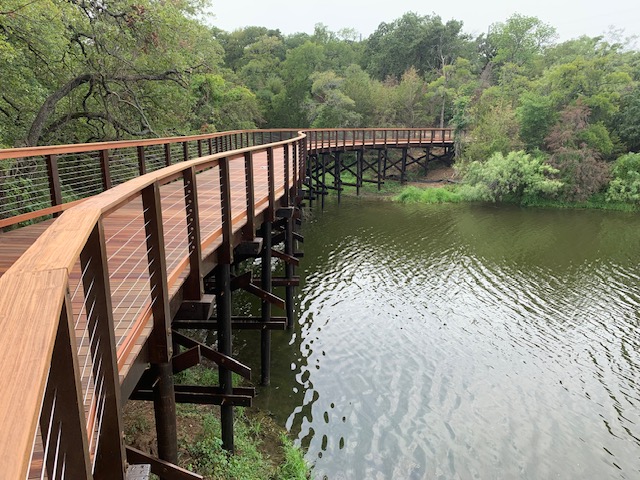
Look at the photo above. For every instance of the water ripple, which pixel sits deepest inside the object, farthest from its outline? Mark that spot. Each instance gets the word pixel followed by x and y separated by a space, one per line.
pixel 468 342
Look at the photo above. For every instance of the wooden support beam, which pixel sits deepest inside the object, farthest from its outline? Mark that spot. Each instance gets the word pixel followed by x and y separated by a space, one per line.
pixel 223 309
pixel 209 396
pixel 289 268
pixel 160 340
pixel 241 281
pixel 265 307
pixel 209 353
pixel 286 258
pixel 285 212
pixel 200 309
pixel 249 248
pixel 187 359
pixel 282 282
pixel 245 391
pixel 264 295
pixel 237 323
pixel 337 175
pixel 165 470
pixel 403 168
pixel 165 412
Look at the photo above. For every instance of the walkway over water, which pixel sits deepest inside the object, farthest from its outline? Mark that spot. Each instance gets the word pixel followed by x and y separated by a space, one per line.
pixel 88 299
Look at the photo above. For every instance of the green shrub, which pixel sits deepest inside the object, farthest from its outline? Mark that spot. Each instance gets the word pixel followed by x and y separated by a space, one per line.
pixel 516 177
pixel 625 186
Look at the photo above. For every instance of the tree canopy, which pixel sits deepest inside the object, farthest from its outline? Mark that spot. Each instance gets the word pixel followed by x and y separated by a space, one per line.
pixel 84 70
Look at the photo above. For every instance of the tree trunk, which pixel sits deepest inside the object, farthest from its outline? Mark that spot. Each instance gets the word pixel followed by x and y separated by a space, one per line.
pixel 49 106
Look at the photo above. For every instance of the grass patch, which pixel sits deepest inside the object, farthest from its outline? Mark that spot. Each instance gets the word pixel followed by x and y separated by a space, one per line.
pixel 294 466
pixel 429 195
pixel 258 455
pixel 263 451
pixel 387 189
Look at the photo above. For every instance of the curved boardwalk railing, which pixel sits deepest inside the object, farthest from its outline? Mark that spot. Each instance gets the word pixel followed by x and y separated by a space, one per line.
pixel 93 296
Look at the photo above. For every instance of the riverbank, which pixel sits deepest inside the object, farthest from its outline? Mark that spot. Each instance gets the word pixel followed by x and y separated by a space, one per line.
pixel 263 449
pixel 440 185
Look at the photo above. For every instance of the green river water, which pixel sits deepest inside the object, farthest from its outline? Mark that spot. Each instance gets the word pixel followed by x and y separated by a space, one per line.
pixel 462 341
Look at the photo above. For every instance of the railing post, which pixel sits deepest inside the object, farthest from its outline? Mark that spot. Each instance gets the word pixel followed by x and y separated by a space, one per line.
pixel 110 455
pixel 62 422
pixel 54 180
pixel 289 269
pixel 141 162
pixel 185 151
pixel 160 350
pixel 249 230
pixel 199 148
pixel 272 189
pixel 105 170
pixel 286 175
pixel 193 286
pixel 293 193
pixel 226 249
pixel 167 154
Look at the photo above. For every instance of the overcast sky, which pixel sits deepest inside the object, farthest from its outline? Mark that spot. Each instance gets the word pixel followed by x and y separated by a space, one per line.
pixel 571 18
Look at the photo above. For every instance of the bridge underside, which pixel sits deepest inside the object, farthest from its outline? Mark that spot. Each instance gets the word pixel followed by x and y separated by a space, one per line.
pixel 351 166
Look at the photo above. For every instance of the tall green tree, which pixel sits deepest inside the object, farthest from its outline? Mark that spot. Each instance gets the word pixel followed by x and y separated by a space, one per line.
pixel 288 105
pixel 422 42
pixel 80 70
pixel 519 39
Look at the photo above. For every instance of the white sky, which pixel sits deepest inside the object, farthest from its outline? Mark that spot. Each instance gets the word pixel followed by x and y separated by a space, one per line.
pixel 571 18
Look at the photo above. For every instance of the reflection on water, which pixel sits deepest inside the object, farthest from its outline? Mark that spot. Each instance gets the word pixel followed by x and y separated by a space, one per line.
pixel 463 341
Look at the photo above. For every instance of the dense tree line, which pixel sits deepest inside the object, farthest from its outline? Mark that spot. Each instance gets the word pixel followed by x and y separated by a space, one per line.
pixel 84 70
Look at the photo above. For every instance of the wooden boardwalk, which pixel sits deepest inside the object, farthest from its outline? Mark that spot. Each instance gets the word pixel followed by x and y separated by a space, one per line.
pixel 126 262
